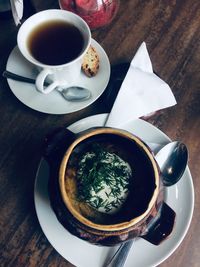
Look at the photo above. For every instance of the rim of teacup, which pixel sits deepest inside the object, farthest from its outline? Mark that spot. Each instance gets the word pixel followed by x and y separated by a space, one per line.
pixel 66 199
pixel 23 34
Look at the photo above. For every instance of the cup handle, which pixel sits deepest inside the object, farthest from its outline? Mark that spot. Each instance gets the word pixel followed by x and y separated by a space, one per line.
pixel 40 81
pixel 162 227
pixel 56 143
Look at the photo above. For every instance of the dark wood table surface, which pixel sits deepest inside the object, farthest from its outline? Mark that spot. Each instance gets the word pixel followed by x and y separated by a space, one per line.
pixel 171 30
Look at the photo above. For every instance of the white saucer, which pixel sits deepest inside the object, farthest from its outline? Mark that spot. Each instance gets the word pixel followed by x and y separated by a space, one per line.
pixel 82 254
pixel 54 103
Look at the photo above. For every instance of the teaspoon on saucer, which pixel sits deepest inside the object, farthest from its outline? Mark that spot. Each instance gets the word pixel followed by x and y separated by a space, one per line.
pixel 73 93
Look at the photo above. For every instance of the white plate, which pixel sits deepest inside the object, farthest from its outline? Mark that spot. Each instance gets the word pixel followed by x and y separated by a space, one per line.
pixel 54 103
pixel 143 254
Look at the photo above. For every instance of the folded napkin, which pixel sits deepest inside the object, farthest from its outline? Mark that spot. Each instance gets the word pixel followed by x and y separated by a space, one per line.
pixel 17 10
pixel 142 92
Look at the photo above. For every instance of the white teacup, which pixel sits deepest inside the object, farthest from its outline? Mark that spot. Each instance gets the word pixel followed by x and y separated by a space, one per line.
pixel 67 72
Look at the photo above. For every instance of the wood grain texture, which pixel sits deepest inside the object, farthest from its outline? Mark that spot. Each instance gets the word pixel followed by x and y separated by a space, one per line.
pixel 171 31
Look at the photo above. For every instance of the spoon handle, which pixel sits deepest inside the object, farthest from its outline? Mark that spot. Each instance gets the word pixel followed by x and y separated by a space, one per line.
pixel 16 77
pixel 120 256
pixel 13 76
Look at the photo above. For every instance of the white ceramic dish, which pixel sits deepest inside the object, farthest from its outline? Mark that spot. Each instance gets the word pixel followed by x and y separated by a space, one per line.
pixel 143 254
pixel 54 103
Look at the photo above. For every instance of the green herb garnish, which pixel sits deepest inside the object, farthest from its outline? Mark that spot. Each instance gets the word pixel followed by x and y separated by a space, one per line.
pixel 103 179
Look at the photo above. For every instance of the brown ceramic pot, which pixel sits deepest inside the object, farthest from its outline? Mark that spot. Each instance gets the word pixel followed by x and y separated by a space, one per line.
pixel 144 214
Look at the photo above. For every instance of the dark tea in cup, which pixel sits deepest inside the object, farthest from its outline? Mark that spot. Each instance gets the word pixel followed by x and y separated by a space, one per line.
pixel 55 42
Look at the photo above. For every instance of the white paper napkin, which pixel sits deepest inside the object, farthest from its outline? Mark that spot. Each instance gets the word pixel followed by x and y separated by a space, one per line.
pixel 17 10
pixel 142 92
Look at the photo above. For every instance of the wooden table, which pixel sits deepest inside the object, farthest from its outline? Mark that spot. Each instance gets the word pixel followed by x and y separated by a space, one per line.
pixel 171 31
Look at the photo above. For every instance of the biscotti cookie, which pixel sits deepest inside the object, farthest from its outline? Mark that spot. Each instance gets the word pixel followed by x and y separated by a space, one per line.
pixel 90 65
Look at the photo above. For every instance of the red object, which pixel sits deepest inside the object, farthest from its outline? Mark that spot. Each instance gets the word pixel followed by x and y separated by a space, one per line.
pixel 97 13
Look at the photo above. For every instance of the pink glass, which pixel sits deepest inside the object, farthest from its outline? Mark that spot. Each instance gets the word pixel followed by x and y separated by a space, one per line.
pixel 97 13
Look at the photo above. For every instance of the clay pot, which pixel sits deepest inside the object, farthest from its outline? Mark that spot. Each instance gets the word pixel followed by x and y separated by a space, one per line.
pixel 144 214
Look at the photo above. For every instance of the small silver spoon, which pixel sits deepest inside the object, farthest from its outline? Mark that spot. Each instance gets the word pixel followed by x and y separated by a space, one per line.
pixel 73 93
pixel 172 160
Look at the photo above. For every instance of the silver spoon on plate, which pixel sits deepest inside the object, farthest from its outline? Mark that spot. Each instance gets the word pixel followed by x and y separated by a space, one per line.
pixel 73 93
pixel 172 160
